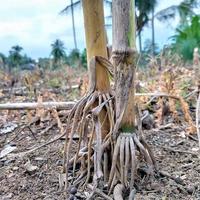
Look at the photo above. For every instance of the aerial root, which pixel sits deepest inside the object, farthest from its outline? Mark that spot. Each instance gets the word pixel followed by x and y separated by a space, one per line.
pixel 118 191
pixel 105 166
pixel 125 160
pixel 114 161
pixel 133 162
pixel 108 161
pixel 121 157
pixel 68 142
pixel 94 157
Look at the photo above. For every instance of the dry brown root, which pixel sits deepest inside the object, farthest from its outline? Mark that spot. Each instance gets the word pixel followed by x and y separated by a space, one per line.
pixel 102 159
pixel 84 120
pixel 108 159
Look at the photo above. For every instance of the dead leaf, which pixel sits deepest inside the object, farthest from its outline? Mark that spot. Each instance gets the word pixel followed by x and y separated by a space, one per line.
pixel 7 149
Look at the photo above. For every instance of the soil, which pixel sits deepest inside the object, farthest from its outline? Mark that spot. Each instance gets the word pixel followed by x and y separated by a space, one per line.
pixel 175 153
pixel 38 175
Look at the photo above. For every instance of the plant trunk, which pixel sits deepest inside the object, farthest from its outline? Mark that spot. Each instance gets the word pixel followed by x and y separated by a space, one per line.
pixel 73 25
pixel 140 42
pixel 96 39
pixel 153 33
pixel 124 57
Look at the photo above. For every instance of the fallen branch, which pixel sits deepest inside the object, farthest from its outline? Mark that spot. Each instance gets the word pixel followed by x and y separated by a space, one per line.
pixel 35 105
pixel 157 95
pixel 62 105
pixel 22 91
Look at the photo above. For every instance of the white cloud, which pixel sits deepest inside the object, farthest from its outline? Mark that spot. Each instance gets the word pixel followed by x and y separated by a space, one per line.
pixel 35 24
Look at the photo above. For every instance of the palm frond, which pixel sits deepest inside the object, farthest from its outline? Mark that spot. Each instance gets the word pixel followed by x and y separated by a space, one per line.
pixel 67 9
pixel 167 13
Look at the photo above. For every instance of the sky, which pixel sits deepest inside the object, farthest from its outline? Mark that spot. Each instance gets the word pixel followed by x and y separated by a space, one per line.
pixel 36 24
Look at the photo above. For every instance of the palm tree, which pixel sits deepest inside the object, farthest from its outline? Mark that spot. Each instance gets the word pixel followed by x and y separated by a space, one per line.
pixel 65 11
pixel 3 60
pixel 153 31
pixel 58 52
pixel 144 7
pixel 15 56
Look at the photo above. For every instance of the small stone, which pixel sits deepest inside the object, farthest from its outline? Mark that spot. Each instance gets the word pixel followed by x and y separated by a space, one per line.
pixel 190 189
pixel 148 187
pixel 6 150
pixel 7 197
pixel 15 168
pixel 72 197
pixel 40 159
pixel 59 162
pixel 30 168
pixel 7 162
pixel 175 191
pixel 179 180
pixel 155 186
pixel 73 190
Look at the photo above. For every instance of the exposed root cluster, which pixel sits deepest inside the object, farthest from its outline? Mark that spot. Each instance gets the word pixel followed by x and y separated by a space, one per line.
pixel 129 149
pixel 85 121
pixel 103 158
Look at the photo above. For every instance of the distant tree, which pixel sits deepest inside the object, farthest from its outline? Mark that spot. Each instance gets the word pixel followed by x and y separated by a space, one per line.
pixel 26 59
pixel 44 63
pixel 144 9
pixel 15 57
pixel 84 58
pixel 71 9
pixel 74 58
pixel 58 52
pixel 3 61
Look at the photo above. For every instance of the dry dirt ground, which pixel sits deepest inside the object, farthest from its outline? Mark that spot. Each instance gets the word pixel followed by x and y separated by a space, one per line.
pixel 36 175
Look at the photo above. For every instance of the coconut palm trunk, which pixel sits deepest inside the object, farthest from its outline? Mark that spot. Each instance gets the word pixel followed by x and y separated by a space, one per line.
pixel 140 42
pixel 153 32
pixel 73 25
